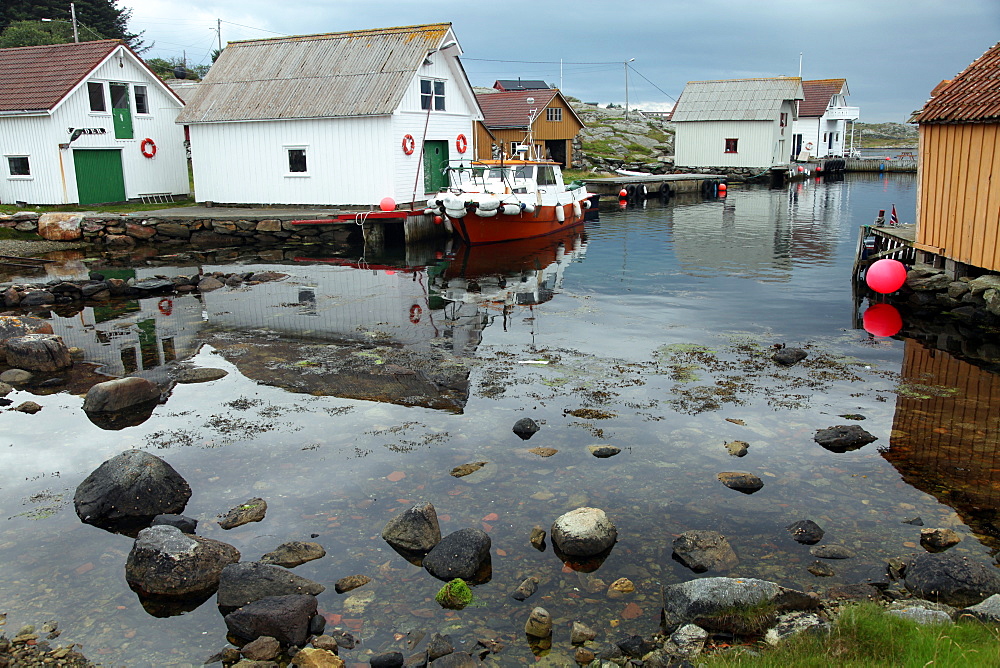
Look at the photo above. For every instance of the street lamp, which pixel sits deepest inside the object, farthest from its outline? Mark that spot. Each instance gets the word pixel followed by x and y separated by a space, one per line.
pixel 626 86
pixel 72 10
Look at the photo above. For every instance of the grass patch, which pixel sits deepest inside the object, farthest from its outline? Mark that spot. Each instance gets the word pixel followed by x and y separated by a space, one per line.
pixel 17 235
pixel 864 636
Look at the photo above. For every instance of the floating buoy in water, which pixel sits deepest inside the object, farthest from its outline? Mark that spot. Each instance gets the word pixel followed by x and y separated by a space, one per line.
pixel 882 320
pixel 722 189
pixel 387 204
pixel 885 276
pixel 622 194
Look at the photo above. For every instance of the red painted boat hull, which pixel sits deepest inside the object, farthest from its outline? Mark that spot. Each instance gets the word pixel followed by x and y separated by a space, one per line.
pixel 474 229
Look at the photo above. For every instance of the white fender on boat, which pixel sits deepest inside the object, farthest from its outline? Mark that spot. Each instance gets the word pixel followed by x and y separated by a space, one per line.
pixel 428 212
pixel 485 214
pixel 560 212
pixel 577 209
pixel 489 204
pixel 455 213
pixel 528 207
pixel 511 209
pixel 586 204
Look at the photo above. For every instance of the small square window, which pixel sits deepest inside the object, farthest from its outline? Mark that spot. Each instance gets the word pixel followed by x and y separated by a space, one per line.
pixel 18 165
pixel 96 92
pixel 141 101
pixel 731 145
pixel 432 95
pixel 297 160
pixel 553 114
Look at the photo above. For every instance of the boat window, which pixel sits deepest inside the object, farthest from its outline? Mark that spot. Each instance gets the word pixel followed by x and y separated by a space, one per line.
pixel 497 173
pixel 546 175
pixel 524 172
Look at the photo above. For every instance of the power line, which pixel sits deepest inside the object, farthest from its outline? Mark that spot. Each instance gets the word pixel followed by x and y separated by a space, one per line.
pixel 653 84
pixel 538 62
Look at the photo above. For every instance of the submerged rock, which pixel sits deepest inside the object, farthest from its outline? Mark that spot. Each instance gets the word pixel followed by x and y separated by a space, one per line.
pixel 737 448
pixel 537 538
pixel 525 589
pixel 525 428
pixel 741 481
pixel 806 532
pixel 350 583
pixel 284 618
pixel 938 540
pixel 789 356
pixel 832 552
pixel 952 579
pixel 467 469
pixel 843 438
pixel 583 532
pixel 459 555
pixel 416 529
pixel 603 451
pixel 165 562
pixel 704 550
pixel 129 490
pixel 252 510
pixel 294 553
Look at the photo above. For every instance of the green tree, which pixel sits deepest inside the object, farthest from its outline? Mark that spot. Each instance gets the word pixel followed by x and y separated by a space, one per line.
pixel 35 33
pixel 97 19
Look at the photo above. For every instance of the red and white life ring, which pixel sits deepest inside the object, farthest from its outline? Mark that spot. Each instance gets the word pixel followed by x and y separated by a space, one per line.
pixel 408 144
pixel 148 147
pixel 461 143
pixel 809 146
pixel 166 306
pixel 415 313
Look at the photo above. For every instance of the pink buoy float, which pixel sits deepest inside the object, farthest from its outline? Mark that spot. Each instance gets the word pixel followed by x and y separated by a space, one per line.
pixel 882 320
pixel 885 276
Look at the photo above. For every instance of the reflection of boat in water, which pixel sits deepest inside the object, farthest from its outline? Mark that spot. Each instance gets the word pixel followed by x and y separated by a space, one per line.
pixel 512 257
pixel 496 200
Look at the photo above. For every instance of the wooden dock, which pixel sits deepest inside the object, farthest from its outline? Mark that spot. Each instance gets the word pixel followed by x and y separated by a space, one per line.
pixel 878 242
pixel 655 185
pixel 904 165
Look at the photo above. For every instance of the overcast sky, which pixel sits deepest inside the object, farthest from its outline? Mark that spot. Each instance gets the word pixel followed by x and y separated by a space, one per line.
pixel 892 52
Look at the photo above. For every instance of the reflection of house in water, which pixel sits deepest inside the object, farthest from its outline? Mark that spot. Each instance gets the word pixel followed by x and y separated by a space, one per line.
pixel 756 235
pixel 136 337
pixel 946 442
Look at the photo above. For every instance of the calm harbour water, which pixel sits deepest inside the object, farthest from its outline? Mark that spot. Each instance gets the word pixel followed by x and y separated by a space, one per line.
pixel 652 332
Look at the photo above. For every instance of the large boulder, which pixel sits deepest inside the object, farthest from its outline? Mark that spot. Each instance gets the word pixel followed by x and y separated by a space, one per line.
pixel 951 579
pixel 284 618
pixel 584 532
pixel 38 352
pixel 126 492
pixel 704 550
pixel 415 529
pixel 730 605
pixel 165 562
pixel 119 394
pixel 11 326
pixel 56 226
pixel 251 581
pixel 459 555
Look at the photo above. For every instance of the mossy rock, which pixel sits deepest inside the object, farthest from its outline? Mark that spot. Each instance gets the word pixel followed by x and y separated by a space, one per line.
pixel 455 595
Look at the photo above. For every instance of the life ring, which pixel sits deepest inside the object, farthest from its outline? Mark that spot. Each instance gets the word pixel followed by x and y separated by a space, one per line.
pixel 415 313
pixel 148 147
pixel 461 143
pixel 166 306
pixel 408 144
pixel 809 146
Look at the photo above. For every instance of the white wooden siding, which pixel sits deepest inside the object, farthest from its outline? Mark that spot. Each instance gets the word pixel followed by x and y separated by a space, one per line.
pixel 703 144
pixel 54 176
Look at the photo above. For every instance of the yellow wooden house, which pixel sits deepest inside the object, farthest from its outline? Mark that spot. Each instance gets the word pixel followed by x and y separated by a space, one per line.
pixel 508 116
pixel 958 197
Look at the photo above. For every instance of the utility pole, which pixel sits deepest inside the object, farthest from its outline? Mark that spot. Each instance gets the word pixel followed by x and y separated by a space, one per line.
pixel 626 86
pixel 218 31
pixel 72 12
pixel 800 64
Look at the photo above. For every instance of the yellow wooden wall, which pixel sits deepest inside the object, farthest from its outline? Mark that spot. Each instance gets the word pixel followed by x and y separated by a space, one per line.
pixel 958 200
pixel 543 130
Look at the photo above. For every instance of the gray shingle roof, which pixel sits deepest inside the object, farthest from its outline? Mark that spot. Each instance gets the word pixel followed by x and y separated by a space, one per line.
pixel 356 73
pixel 736 99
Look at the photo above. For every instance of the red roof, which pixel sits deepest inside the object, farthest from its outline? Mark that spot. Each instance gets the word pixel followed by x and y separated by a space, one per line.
pixel 974 95
pixel 818 93
pixel 38 77
pixel 510 109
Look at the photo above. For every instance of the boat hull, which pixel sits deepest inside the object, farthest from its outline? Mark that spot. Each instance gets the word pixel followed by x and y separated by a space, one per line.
pixel 474 229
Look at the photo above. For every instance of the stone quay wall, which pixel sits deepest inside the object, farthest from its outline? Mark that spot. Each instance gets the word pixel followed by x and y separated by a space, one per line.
pixel 127 231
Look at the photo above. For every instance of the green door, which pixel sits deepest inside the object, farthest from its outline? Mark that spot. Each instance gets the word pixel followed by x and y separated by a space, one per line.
pixel 435 162
pixel 99 176
pixel 121 111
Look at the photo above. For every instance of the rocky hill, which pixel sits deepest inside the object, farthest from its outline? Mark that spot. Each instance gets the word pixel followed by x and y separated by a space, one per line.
pixel 885 135
pixel 610 141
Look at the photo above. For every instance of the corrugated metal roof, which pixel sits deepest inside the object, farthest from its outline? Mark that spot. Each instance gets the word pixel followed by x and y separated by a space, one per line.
pixel 520 84
pixel 817 95
pixel 736 99
pixel 972 96
pixel 509 109
pixel 356 73
pixel 36 78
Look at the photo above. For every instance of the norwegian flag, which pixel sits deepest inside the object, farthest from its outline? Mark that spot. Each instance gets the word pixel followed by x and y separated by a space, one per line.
pixel 893 220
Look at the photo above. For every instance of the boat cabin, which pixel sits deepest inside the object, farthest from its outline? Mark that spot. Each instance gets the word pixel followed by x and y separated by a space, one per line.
pixel 508 176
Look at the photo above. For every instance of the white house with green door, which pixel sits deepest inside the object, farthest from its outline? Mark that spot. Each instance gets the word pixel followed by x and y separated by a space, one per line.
pixel 344 118
pixel 87 123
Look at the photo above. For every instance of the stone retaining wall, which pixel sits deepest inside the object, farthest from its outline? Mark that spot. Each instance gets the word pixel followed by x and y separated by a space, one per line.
pixel 124 232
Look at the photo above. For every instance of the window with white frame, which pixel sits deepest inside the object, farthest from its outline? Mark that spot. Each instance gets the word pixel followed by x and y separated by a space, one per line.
pixel 553 114
pixel 18 165
pixel 297 165
pixel 95 90
pixel 141 99
pixel 432 94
